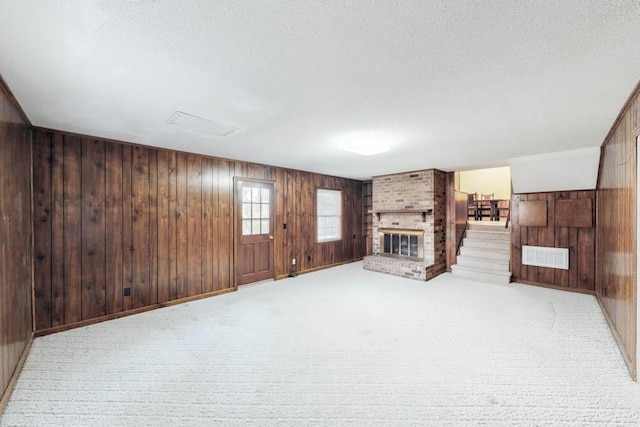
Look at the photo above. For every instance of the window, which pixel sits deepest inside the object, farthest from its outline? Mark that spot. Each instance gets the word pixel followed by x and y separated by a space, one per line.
pixel 329 203
pixel 255 210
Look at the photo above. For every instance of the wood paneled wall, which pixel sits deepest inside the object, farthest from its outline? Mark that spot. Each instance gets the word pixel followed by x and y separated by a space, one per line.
pixel 579 240
pixel 296 207
pixel 110 216
pixel 457 219
pixel 15 238
pixel 616 282
pixel 367 216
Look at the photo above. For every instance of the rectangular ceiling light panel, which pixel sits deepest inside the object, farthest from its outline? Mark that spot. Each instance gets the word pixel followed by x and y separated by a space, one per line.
pixel 198 124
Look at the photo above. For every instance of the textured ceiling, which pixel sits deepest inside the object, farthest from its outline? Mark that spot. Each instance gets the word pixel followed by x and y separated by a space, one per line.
pixel 451 84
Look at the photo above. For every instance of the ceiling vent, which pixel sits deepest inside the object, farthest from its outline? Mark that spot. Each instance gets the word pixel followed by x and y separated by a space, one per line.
pixel 198 124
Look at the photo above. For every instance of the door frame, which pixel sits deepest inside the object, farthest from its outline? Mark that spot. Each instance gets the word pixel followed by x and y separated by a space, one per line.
pixel 237 225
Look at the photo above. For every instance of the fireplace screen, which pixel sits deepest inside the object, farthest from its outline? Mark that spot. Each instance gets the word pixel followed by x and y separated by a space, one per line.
pixel 402 243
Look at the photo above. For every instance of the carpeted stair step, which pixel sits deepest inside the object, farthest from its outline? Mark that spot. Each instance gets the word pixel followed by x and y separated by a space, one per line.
pixel 487 226
pixel 486 244
pixel 484 262
pixel 481 275
pixel 485 253
pixel 500 254
pixel 489 235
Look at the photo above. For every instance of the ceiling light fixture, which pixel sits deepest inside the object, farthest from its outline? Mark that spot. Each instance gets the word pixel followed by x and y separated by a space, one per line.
pixel 364 145
pixel 191 122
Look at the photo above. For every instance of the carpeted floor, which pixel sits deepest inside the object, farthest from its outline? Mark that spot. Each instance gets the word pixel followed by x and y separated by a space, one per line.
pixel 341 346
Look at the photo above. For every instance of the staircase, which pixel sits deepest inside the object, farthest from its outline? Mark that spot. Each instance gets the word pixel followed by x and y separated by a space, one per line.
pixel 484 254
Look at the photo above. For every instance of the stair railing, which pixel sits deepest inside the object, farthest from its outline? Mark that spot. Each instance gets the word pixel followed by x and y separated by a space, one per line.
pixel 461 237
pixel 506 224
pixel 460 218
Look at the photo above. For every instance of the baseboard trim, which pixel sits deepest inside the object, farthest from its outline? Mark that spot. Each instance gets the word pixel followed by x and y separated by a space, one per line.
pixel 61 328
pixel 623 350
pixel 311 270
pixel 48 331
pixel 557 288
pixel 16 373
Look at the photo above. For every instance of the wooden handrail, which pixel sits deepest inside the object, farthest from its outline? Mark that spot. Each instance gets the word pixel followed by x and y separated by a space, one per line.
pixel 459 242
pixel 506 224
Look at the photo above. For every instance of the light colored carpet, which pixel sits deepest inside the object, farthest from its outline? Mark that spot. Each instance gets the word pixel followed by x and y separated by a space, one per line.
pixel 341 346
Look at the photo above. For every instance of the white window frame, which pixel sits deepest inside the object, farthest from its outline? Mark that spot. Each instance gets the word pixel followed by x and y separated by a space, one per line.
pixel 328 216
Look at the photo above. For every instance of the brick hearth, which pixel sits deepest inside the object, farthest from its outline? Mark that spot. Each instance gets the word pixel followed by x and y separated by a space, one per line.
pixel 400 267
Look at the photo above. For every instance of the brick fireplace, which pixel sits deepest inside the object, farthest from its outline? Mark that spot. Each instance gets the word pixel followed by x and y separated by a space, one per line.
pixel 409 204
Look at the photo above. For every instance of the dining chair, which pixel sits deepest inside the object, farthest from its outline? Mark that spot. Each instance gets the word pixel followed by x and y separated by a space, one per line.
pixel 484 207
pixel 472 206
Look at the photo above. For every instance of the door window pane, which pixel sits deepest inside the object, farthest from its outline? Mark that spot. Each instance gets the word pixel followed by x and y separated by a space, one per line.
pixel 246 210
pixel 246 194
pixel 246 227
pixel 256 210
pixel 255 226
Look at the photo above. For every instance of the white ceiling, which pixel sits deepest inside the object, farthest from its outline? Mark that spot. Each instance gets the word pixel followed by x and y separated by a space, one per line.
pixel 451 84
pixel 557 171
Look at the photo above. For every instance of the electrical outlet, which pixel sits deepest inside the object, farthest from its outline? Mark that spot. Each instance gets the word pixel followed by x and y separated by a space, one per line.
pixel 293 261
pixel 127 292
pixel 309 258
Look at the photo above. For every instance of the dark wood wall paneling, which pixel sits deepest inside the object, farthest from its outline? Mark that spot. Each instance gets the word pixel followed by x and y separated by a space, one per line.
pixel 457 219
pixel 616 282
pixel 122 227
pixel 296 207
pixel 15 238
pixel 548 229
pixel 367 216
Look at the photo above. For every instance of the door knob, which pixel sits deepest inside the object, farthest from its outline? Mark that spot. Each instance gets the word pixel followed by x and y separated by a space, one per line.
pixel 270 237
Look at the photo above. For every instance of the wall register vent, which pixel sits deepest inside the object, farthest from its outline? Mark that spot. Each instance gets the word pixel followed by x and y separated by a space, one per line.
pixel 546 257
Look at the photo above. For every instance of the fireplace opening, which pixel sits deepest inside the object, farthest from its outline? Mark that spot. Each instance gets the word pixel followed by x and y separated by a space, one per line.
pixel 402 243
